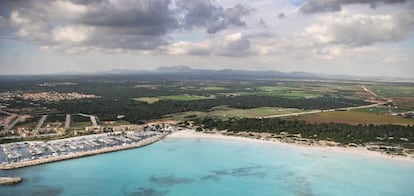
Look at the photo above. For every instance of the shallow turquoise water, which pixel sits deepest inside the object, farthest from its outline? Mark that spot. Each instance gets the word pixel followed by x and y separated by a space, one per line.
pixel 216 167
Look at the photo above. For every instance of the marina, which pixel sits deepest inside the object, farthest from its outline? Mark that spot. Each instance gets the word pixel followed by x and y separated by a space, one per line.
pixel 23 154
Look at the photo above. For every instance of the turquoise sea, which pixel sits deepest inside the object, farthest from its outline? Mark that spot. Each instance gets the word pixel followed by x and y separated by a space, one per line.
pixel 185 166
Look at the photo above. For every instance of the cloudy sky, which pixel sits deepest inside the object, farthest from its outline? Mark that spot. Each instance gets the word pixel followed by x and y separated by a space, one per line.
pixel 357 37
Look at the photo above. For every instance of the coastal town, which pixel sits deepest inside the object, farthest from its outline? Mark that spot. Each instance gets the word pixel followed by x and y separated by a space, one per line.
pixel 49 96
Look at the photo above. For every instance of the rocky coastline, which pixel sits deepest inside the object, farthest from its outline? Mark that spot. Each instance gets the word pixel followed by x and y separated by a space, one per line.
pixel 10 180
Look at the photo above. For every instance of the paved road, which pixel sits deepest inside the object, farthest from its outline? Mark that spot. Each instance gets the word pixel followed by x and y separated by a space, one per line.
pixel 13 123
pixel 91 117
pixel 375 95
pixel 67 121
pixel 84 115
pixel 93 120
pixel 368 91
pixel 40 123
pixel 294 114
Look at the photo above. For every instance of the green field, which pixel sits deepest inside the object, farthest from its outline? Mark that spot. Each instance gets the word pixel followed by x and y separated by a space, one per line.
pixel 287 91
pixel 300 94
pixel 402 95
pixel 213 88
pixel 312 90
pixel 149 100
pixel 276 88
pixel 287 94
pixel 224 112
pixel 146 86
pixel 252 113
pixel 353 117
pixel 184 97
pixel 393 91
pixel 382 110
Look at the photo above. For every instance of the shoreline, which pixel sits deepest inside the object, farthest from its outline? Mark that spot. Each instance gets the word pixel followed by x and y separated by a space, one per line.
pixel 82 154
pixel 363 151
pixel 191 133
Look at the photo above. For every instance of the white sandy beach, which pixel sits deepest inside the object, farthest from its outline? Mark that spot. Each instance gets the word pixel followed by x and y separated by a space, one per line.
pixel 353 150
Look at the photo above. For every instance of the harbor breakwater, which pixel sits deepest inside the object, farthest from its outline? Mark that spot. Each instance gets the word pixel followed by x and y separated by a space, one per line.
pixel 10 180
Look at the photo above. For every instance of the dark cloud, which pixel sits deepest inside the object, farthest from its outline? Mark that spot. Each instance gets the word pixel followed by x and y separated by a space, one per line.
pixel 262 23
pixel 126 24
pixel 3 22
pixel 198 12
pixel 215 18
pixel 149 17
pixel 315 6
pixel 281 15
pixel 233 15
pixel 87 2
pixel 129 24
pixel 12 3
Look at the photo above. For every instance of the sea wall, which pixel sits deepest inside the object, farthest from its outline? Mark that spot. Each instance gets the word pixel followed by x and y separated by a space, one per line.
pixel 10 180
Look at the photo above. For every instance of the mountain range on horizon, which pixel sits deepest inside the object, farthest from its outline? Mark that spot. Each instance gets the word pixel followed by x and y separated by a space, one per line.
pixel 187 70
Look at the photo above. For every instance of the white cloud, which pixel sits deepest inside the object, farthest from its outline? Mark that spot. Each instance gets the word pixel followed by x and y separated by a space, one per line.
pixel 360 29
pixel 69 7
pixel 72 33
pixel 18 19
pixel 231 45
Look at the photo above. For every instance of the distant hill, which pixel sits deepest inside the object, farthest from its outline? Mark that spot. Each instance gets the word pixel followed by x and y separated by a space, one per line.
pixel 186 71
pixel 174 69
pixel 191 73
pixel 183 71
pixel 231 73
